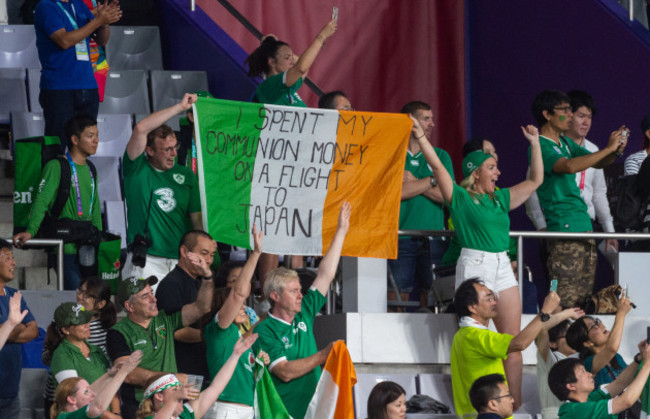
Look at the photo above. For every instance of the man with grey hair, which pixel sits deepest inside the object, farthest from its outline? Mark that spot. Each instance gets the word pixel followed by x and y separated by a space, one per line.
pixel 287 333
pixel 151 331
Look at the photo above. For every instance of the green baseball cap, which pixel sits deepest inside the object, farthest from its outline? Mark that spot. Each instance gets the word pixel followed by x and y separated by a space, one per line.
pixel 133 285
pixel 473 161
pixel 68 314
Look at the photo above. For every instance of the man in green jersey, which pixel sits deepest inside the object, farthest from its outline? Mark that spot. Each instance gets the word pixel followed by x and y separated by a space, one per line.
pixel 571 262
pixel 161 195
pixel 287 333
pixel 152 332
pixel 477 351
pixel 421 209
pixel 570 382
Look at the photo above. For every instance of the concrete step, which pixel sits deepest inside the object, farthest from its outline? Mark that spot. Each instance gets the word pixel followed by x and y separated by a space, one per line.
pixel 6 229
pixel 30 258
pixel 6 186
pixel 6 211
pixel 36 279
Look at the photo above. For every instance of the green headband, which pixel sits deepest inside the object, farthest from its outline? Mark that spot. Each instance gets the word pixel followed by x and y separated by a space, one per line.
pixel 473 161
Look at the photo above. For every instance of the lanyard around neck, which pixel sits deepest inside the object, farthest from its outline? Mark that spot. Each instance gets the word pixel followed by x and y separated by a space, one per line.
pixel 75 178
pixel 73 21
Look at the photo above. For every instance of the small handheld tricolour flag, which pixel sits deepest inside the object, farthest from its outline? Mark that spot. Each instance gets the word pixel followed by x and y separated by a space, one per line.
pixel 333 396
pixel 268 404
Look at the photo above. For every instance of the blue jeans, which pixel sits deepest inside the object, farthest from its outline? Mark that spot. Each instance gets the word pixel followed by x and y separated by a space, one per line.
pixel 10 408
pixel 416 257
pixel 61 105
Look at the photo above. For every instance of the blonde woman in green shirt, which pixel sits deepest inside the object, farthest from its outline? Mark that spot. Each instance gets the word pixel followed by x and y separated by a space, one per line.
pixel 480 215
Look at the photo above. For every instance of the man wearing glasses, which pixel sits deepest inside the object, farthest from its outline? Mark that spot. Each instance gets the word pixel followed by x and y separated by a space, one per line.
pixel 491 398
pixel 160 195
pixel 571 262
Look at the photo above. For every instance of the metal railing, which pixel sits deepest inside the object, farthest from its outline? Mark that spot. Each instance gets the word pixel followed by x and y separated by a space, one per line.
pixel 49 242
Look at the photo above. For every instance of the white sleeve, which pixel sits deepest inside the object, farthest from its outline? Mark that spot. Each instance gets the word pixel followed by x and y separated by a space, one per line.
pixel 601 204
pixel 534 212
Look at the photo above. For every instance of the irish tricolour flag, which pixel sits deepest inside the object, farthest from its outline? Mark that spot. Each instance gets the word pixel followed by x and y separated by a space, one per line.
pixel 288 170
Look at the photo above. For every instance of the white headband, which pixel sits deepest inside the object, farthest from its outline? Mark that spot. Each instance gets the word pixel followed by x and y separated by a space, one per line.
pixel 161 384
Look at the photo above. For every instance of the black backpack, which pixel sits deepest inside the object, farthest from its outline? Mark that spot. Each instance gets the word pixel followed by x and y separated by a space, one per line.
pixel 630 199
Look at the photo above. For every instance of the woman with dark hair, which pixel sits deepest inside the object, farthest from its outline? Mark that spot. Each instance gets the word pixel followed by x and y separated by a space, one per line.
pixel 282 71
pixel 479 212
pixel 226 277
pixel 75 398
pixel 387 400
pixel 597 346
pixel 222 332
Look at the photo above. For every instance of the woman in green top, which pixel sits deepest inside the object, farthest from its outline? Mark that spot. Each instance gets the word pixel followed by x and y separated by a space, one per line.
pixel 75 398
pixel 480 215
pixel 222 332
pixel 281 70
pixel 72 355
pixel 163 397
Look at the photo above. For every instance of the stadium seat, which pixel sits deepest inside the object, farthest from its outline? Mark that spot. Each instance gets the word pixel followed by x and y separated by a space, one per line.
pixel 108 173
pixel 168 87
pixel 437 386
pixel 126 92
pixel 134 47
pixel 116 219
pixel 13 92
pixel 173 122
pixel 430 416
pixel 18 47
pixel 43 303
pixel 529 395
pixel 26 124
pixel 366 382
pixel 34 89
pixel 114 133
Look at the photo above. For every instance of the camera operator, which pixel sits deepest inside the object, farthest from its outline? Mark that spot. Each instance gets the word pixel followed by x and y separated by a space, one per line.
pixel 160 194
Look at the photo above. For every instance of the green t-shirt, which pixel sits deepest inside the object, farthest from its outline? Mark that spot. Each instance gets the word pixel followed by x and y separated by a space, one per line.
pixel 596 407
pixel 274 91
pixel 559 195
pixel 68 361
pixel 284 341
pixel 47 191
pixel 77 414
pixel 475 352
pixel 419 212
pixel 219 346
pixel 482 223
pixel 187 413
pixel 156 342
pixel 175 195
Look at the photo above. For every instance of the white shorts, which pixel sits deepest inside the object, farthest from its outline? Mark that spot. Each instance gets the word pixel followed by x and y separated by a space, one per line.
pixel 493 269
pixel 156 266
pixel 223 410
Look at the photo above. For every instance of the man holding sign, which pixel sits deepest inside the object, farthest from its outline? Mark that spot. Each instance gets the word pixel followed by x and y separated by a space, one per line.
pixel 287 333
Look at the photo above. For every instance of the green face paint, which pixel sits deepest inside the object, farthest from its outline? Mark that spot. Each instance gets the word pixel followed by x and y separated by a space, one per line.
pixel 562 117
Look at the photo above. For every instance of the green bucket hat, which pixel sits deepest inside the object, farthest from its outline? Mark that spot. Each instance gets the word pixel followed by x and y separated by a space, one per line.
pixel 133 285
pixel 68 314
pixel 473 161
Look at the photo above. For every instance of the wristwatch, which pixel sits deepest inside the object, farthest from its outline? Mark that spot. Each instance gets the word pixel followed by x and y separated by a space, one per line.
pixel 434 182
pixel 544 317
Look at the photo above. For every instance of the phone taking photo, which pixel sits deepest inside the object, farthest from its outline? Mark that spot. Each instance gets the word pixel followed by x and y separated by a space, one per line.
pixel 554 285
pixel 335 12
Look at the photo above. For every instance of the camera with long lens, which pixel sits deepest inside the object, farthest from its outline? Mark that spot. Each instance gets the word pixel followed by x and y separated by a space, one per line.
pixel 138 249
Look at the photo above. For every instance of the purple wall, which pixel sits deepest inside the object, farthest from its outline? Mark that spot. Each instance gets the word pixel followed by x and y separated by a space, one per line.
pixel 518 48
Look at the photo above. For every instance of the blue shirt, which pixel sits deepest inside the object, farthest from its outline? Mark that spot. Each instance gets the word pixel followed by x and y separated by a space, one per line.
pixel 10 356
pixel 61 69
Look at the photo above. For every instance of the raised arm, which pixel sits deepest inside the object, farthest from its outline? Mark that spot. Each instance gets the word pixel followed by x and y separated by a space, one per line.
pixel 242 287
pixel 599 159
pixel 602 358
pixel 327 268
pixel 14 319
pixel 307 58
pixel 636 383
pixel 531 331
pixel 105 16
pixel 194 311
pixel 211 394
pixel 522 191
pixel 113 381
pixel 138 141
pixel 445 182
pixel 542 340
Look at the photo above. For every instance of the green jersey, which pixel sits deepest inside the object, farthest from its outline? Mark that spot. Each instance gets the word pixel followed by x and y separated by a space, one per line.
pixel 187 413
pixel 559 195
pixel 475 352
pixel 290 341
pixel 77 414
pixel 274 91
pixel 47 192
pixel 159 201
pixel 156 342
pixel 219 346
pixel 482 222
pixel 597 406
pixel 419 212
pixel 68 361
